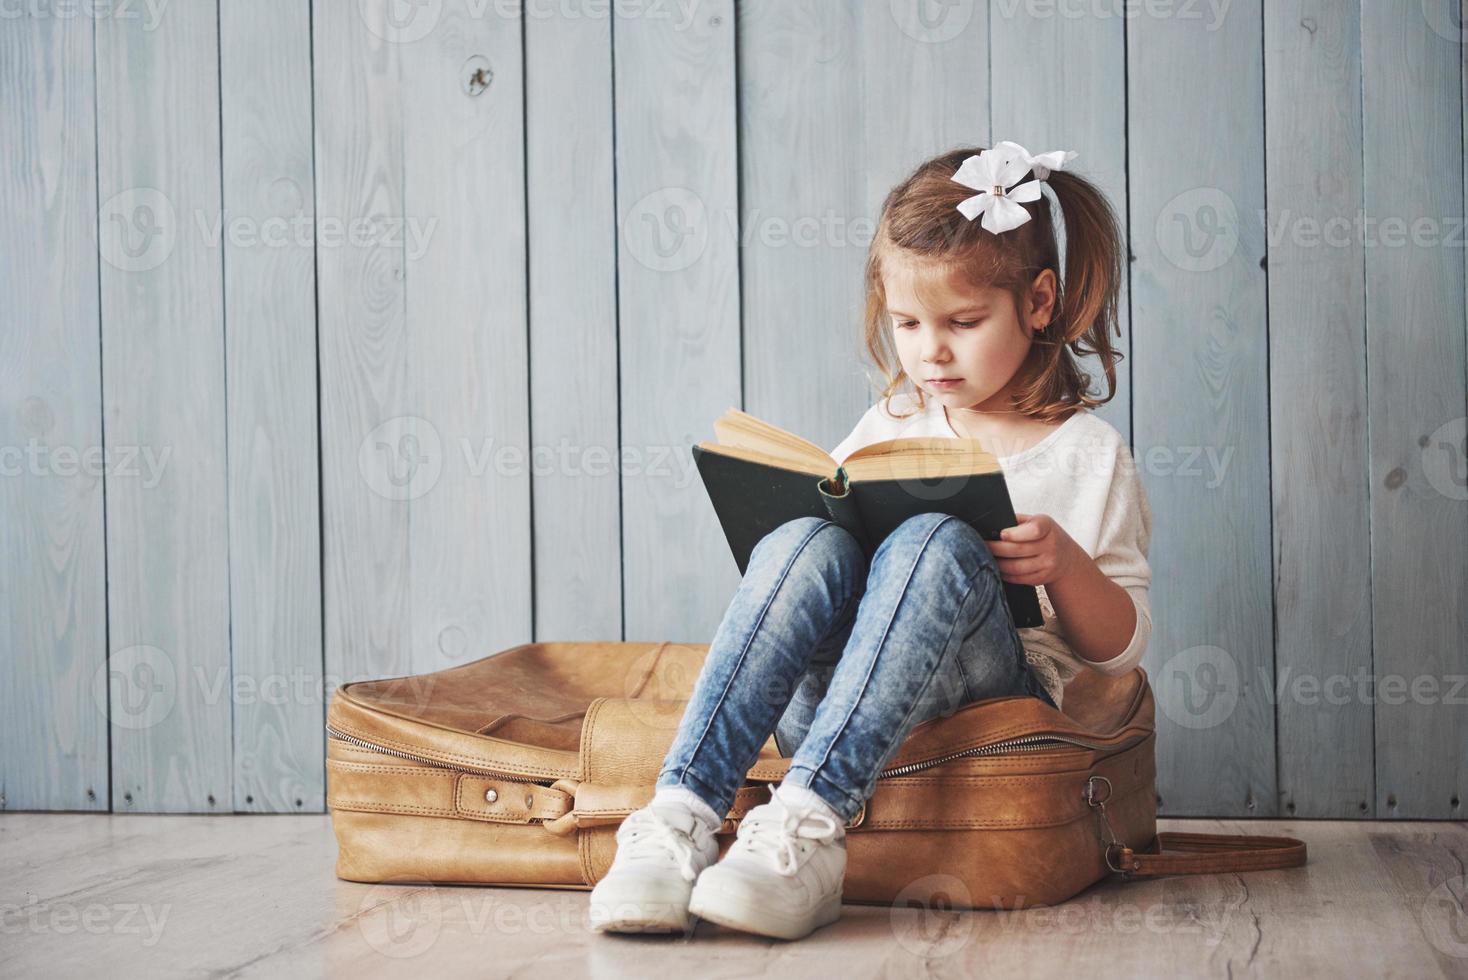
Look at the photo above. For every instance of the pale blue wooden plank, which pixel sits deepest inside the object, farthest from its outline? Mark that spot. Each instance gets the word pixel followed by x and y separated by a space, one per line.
pixel 53 617
pixel 573 327
pixel 376 455
pixel 462 97
pixel 1412 129
pixel 678 282
pixel 270 320
pixel 804 227
pixel 163 381
pixel 925 88
pixel 1200 418
pixel 1317 396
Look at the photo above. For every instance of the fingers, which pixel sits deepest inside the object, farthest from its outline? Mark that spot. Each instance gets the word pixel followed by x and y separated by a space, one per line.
pixel 1014 549
pixel 1029 530
pixel 1017 568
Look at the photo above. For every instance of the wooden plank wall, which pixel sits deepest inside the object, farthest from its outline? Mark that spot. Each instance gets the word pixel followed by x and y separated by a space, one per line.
pixel 163 391
pixel 53 576
pixel 395 323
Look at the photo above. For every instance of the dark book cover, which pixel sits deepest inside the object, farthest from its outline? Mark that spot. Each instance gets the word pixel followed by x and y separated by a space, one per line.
pixel 752 499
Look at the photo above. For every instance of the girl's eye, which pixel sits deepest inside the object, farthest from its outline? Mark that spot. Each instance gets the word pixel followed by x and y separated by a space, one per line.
pixel 903 324
pixel 965 323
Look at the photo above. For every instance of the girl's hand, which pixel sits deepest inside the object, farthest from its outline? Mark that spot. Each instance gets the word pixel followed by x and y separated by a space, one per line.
pixel 1036 551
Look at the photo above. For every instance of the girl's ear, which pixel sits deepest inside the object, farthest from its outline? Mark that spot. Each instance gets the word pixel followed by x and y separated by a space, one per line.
pixel 1042 300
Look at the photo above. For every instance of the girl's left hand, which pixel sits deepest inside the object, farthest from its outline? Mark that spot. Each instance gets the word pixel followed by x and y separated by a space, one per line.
pixel 1036 551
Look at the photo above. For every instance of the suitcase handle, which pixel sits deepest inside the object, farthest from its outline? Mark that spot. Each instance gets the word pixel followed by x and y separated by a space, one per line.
pixel 1198 853
pixel 1206 854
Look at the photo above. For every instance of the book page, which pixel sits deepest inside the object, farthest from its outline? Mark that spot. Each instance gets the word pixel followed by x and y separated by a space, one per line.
pixel 922 457
pixel 740 430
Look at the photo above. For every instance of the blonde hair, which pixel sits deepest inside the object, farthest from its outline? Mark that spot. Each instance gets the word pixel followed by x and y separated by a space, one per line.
pixel 920 221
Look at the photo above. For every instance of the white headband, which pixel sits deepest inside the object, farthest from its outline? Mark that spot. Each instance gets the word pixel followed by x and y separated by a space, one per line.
pixel 991 171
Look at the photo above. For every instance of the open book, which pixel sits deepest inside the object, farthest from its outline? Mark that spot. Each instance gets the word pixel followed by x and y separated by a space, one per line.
pixel 759 476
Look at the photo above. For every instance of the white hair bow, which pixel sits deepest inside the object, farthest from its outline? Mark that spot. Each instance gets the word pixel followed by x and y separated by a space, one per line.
pixel 991 171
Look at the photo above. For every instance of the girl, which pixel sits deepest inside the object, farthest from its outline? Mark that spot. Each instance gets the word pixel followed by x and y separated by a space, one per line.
pixel 839 657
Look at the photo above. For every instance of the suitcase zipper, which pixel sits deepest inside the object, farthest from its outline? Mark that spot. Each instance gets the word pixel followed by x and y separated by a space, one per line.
pixel 336 733
pixel 1025 743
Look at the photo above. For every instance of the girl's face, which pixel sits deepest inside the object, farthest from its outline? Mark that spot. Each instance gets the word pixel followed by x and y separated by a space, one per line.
pixel 976 337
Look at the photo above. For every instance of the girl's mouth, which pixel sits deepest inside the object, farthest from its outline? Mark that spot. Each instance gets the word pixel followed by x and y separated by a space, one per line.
pixel 946 384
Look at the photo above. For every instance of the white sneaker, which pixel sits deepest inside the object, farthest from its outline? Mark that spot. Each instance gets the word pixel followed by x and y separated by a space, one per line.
pixel 781 877
pixel 660 853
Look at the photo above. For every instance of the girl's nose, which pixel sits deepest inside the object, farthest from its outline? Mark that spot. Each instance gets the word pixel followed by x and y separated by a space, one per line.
pixel 934 352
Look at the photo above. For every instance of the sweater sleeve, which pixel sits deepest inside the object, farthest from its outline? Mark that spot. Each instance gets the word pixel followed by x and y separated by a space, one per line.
pixel 1121 554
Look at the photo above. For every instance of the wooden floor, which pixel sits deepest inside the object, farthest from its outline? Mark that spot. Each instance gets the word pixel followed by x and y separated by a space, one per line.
pixel 162 896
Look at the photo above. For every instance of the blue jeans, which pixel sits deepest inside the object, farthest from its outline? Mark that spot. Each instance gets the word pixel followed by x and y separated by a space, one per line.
pixel 840 660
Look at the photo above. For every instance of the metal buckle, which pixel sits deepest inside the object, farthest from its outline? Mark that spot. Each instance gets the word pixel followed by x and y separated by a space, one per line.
pixel 1108 837
pixel 857 820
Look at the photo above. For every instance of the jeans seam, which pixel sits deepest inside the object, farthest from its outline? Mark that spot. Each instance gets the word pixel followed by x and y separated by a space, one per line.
pixel 886 631
pixel 744 650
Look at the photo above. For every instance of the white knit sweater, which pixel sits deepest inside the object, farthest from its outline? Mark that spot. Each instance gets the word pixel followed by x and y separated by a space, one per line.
pixel 1084 476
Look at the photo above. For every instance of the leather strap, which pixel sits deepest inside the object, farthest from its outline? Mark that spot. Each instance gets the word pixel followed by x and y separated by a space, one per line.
pixel 1207 854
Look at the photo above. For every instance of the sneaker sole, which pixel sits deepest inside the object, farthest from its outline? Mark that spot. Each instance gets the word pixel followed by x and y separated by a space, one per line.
pixel 627 913
pixel 709 902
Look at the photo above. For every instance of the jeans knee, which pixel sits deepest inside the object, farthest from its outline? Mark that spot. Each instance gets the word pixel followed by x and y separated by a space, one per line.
pixel 942 534
pixel 816 539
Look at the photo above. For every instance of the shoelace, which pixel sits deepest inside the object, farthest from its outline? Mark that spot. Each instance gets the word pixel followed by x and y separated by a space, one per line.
pixel 776 834
pixel 647 823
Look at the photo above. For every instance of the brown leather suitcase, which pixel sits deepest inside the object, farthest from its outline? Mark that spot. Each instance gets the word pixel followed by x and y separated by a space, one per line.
pixel 518 768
